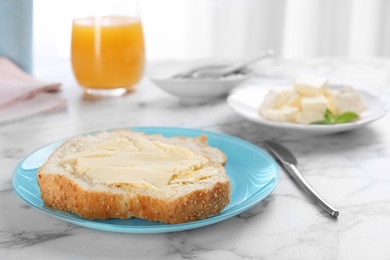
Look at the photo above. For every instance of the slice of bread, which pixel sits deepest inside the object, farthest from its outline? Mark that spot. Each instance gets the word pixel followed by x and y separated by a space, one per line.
pixel 197 186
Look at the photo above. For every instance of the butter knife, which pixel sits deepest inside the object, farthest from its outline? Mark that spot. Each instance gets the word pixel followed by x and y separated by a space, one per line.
pixel 289 163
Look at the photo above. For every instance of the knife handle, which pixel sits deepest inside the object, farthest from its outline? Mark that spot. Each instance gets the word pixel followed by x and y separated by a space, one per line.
pixel 298 177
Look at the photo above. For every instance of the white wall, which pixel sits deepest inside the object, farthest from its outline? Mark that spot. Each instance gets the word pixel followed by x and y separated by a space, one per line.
pixel 233 29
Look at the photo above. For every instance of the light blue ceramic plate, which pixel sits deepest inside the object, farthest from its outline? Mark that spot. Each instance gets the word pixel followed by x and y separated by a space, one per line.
pixel 252 172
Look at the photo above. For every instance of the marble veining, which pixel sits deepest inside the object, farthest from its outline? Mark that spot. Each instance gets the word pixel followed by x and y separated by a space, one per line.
pixel 349 169
pixel 19 240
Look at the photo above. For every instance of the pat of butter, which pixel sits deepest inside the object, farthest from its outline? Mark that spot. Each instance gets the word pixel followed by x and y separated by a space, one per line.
pixel 292 98
pixel 311 85
pixel 137 161
pixel 283 114
pixel 346 100
pixel 315 104
pixel 307 117
pixel 272 99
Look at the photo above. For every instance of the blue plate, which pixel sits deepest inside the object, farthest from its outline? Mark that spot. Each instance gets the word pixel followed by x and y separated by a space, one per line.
pixel 252 172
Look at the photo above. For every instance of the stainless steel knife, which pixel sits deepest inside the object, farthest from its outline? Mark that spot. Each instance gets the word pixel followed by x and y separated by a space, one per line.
pixel 289 163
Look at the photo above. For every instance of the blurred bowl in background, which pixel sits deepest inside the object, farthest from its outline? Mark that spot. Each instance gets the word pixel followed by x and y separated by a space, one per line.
pixel 200 90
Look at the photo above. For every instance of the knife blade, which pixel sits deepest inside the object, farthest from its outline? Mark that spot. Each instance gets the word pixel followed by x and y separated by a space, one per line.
pixel 289 163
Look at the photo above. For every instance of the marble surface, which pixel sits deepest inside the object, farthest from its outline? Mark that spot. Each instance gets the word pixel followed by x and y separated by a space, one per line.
pixel 349 169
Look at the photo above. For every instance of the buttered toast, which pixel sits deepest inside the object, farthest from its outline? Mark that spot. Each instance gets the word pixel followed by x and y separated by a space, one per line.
pixel 124 174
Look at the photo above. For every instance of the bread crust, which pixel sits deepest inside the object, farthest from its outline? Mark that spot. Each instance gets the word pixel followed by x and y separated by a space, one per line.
pixel 60 192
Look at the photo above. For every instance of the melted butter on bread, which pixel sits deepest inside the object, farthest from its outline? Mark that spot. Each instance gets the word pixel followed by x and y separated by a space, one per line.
pixel 140 161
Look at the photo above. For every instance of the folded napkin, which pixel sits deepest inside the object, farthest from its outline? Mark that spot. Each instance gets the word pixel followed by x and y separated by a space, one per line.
pixel 22 96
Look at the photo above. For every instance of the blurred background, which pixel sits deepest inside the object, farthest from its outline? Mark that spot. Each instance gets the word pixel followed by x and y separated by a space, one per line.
pixel 230 29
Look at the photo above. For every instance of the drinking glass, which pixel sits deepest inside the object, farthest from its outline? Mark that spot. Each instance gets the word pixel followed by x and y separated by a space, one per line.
pixel 108 53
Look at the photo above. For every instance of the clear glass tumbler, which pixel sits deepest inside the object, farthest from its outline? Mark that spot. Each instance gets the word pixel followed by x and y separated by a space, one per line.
pixel 108 53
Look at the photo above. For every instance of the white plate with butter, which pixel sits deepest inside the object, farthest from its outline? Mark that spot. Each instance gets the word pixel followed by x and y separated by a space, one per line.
pixel 246 102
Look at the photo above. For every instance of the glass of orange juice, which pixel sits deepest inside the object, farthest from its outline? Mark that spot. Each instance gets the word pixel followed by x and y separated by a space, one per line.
pixel 108 53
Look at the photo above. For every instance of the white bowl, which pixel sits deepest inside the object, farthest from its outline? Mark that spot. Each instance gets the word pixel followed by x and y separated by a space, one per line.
pixel 199 90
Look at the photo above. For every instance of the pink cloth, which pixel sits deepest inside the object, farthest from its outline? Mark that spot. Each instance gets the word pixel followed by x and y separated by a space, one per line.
pixel 22 96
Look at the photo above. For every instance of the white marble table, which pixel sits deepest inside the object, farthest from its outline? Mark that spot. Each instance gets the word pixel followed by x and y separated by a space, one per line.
pixel 350 169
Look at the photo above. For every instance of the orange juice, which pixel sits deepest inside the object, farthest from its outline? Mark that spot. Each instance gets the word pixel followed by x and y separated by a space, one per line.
pixel 108 52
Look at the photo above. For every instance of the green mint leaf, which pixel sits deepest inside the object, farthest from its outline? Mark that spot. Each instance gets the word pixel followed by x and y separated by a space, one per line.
pixel 346 117
pixel 328 119
pixel 321 122
pixel 331 119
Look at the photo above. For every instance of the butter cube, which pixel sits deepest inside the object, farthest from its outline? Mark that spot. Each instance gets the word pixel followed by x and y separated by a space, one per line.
pixel 283 114
pixel 346 100
pixel 329 93
pixel 292 98
pixel 316 104
pixel 272 99
pixel 310 85
pixel 307 117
